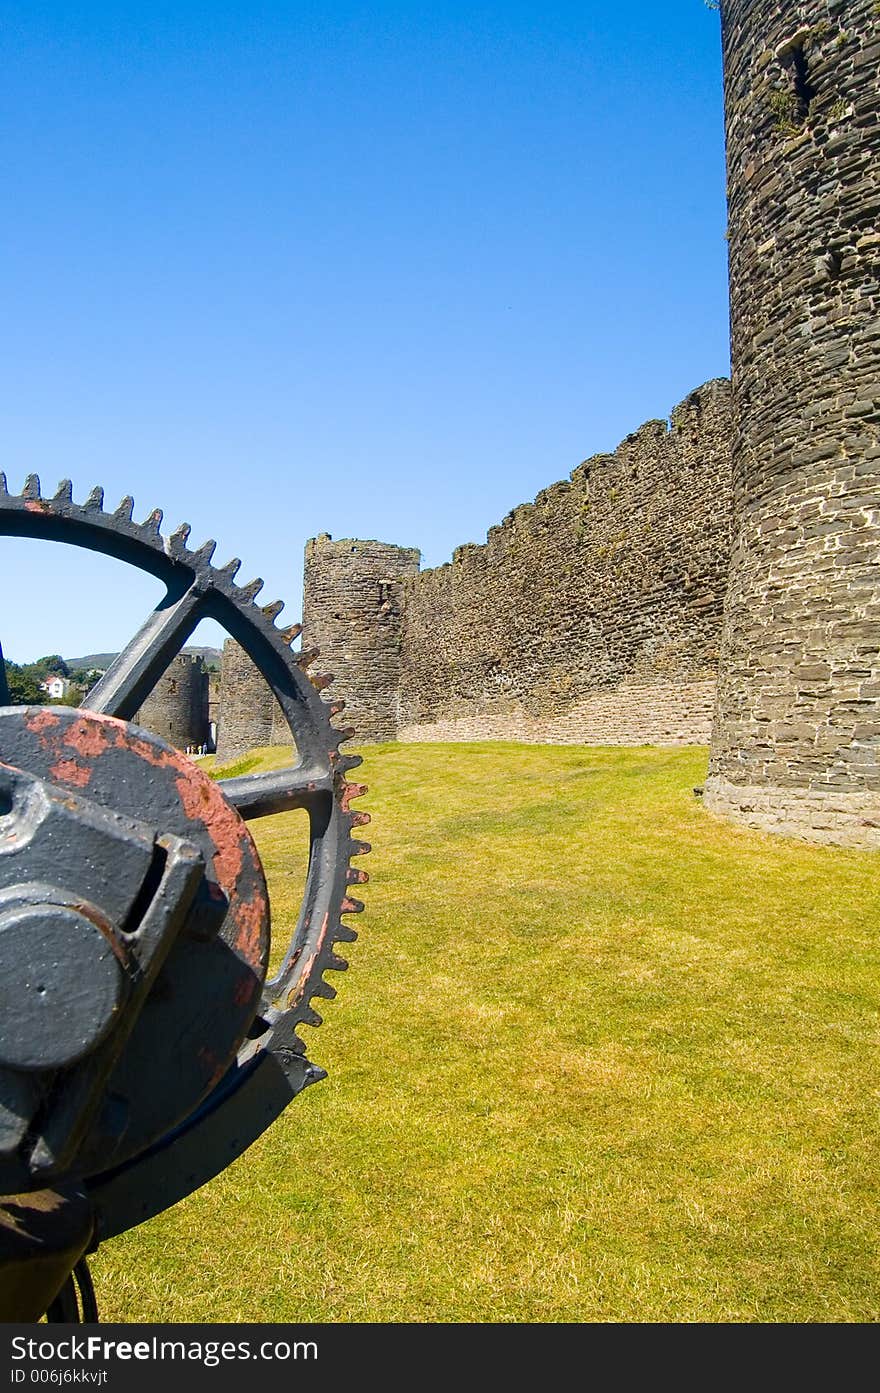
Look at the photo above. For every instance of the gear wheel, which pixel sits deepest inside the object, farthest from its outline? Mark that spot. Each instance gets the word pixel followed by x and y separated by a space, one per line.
pixel 208 1053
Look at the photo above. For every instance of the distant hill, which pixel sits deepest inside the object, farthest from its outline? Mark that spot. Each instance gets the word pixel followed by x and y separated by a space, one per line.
pixel 103 660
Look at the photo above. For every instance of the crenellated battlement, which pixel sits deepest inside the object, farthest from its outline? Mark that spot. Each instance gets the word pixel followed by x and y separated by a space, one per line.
pixel 607 586
pixel 590 613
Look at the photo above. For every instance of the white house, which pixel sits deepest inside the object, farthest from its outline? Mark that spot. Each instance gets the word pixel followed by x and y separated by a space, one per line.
pixel 55 687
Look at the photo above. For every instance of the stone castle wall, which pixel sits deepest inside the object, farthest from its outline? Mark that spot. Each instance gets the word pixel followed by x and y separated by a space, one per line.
pixel 591 615
pixel 177 708
pixel 797 731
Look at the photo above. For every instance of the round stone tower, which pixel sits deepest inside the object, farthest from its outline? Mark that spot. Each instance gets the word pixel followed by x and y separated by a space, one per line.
pixel 247 706
pixel 352 608
pixel 177 708
pixel 797 724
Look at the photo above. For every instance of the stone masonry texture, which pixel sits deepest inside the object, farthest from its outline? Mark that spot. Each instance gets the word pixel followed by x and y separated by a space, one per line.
pixel 247 706
pixel 352 613
pixel 797 725
pixel 177 708
pixel 591 615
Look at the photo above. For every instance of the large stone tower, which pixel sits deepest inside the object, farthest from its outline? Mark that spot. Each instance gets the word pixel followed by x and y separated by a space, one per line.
pixel 247 706
pixel 797 726
pixel 352 605
pixel 177 708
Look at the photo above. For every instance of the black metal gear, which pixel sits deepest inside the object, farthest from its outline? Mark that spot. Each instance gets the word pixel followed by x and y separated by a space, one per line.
pixel 270 1065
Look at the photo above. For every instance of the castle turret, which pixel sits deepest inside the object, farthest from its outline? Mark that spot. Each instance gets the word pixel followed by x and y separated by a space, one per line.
pixel 352 606
pixel 797 725
pixel 246 707
pixel 177 708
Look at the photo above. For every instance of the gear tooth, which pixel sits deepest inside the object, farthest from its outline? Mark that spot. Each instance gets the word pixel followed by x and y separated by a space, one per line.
pixel 291 632
pixel 361 848
pixel 355 876
pixel 309 1016
pixel 206 550
pixel 337 705
pixel 124 511
pixel 324 989
pixel 180 536
pixel 64 492
pixel 345 935
pixel 359 819
pixel 272 611
pixel 349 791
pixel 95 501
pixel 306 656
pixel 336 963
pixel 346 732
pixel 230 570
pixel 348 762
pixel 351 906
pixel 253 588
pixel 152 523
pixel 321 680
pixel 31 487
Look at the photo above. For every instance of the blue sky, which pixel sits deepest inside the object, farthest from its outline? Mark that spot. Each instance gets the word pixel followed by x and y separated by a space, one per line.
pixel 379 270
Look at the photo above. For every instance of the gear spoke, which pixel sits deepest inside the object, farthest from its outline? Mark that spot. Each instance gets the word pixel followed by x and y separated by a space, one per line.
pixel 258 795
pixel 133 675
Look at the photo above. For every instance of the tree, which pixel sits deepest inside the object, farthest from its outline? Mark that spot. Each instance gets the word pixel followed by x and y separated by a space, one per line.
pixel 54 663
pixel 23 684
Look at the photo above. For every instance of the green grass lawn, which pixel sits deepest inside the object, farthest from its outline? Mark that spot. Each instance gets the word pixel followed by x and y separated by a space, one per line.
pixel 598 1057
